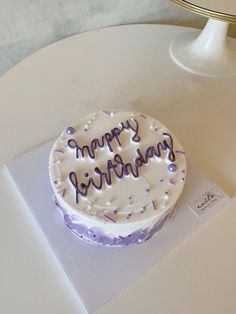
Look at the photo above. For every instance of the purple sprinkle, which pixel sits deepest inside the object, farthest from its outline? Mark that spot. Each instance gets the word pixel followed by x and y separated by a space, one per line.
pixel 161 180
pixel 55 181
pixel 182 179
pixel 154 205
pixel 183 171
pixel 63 192
pixel 171 182
pixel 142 210
pixel 180 152
pixel 86 129
pixel 70 130
pixel 143 116
pixel 128 217
pixel 130 197
pixel 86 174
pixel 115 211
pixel 166 193
pixel 147 190
pixel 59 151
pixel 172 167
pixel 107 112
pixel 155 129
pixel 109 218
pixel 56 201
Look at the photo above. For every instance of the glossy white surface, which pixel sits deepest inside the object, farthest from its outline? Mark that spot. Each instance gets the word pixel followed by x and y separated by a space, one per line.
pixel 86 73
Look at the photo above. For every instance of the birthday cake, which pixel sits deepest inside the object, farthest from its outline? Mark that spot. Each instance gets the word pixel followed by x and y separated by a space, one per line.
pixel 117 177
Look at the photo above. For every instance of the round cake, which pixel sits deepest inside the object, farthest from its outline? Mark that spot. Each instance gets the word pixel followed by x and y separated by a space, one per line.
pixel 117 176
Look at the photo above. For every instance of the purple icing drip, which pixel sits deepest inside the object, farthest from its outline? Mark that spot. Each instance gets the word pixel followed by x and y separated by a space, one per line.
pixel 98 236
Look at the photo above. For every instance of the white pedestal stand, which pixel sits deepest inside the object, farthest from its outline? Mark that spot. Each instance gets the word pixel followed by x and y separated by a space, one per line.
pixel 211 53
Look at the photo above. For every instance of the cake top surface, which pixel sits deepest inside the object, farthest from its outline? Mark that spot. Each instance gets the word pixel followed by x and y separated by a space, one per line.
pixel 117 167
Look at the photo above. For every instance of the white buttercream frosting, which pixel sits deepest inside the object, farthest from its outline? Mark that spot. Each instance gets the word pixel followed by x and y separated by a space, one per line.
pixel 129 203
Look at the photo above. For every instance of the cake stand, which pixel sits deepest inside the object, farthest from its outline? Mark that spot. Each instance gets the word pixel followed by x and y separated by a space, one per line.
pixel 209 53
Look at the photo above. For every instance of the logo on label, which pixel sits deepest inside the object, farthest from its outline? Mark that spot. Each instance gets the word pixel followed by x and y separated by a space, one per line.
pixel 205 201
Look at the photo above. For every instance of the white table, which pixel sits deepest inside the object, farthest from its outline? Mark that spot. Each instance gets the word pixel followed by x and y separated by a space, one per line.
pixel 113 67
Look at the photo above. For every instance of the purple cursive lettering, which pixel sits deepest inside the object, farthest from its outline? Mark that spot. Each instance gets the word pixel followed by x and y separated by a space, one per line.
pixel 120 169
pixel 107 138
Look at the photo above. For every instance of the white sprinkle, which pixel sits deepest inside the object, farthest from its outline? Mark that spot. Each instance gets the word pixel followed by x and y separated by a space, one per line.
pixel 171 182
pixel 56 173
pixel 60 186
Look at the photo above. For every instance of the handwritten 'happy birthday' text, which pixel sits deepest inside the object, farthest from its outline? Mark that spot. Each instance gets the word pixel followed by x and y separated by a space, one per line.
pixel 117 167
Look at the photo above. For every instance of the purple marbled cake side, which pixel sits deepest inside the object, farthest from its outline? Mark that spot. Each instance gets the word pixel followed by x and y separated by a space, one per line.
pixel 98 236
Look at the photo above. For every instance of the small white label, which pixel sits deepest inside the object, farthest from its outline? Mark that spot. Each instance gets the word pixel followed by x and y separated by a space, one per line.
pixel 206 201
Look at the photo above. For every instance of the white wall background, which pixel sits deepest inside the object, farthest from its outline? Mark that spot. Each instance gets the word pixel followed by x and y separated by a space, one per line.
pixel 28 25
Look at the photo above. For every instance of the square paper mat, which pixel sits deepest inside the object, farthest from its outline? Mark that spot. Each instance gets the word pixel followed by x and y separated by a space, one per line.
pixel 99 273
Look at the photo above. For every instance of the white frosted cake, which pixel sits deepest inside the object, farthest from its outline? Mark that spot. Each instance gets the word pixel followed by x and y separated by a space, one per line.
pixel 116 176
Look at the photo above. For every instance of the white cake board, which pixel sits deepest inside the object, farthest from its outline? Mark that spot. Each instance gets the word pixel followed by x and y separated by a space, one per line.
pixel 100 273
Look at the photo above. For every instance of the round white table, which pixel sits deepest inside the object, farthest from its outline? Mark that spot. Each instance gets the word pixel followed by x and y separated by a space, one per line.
pixel 125 66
